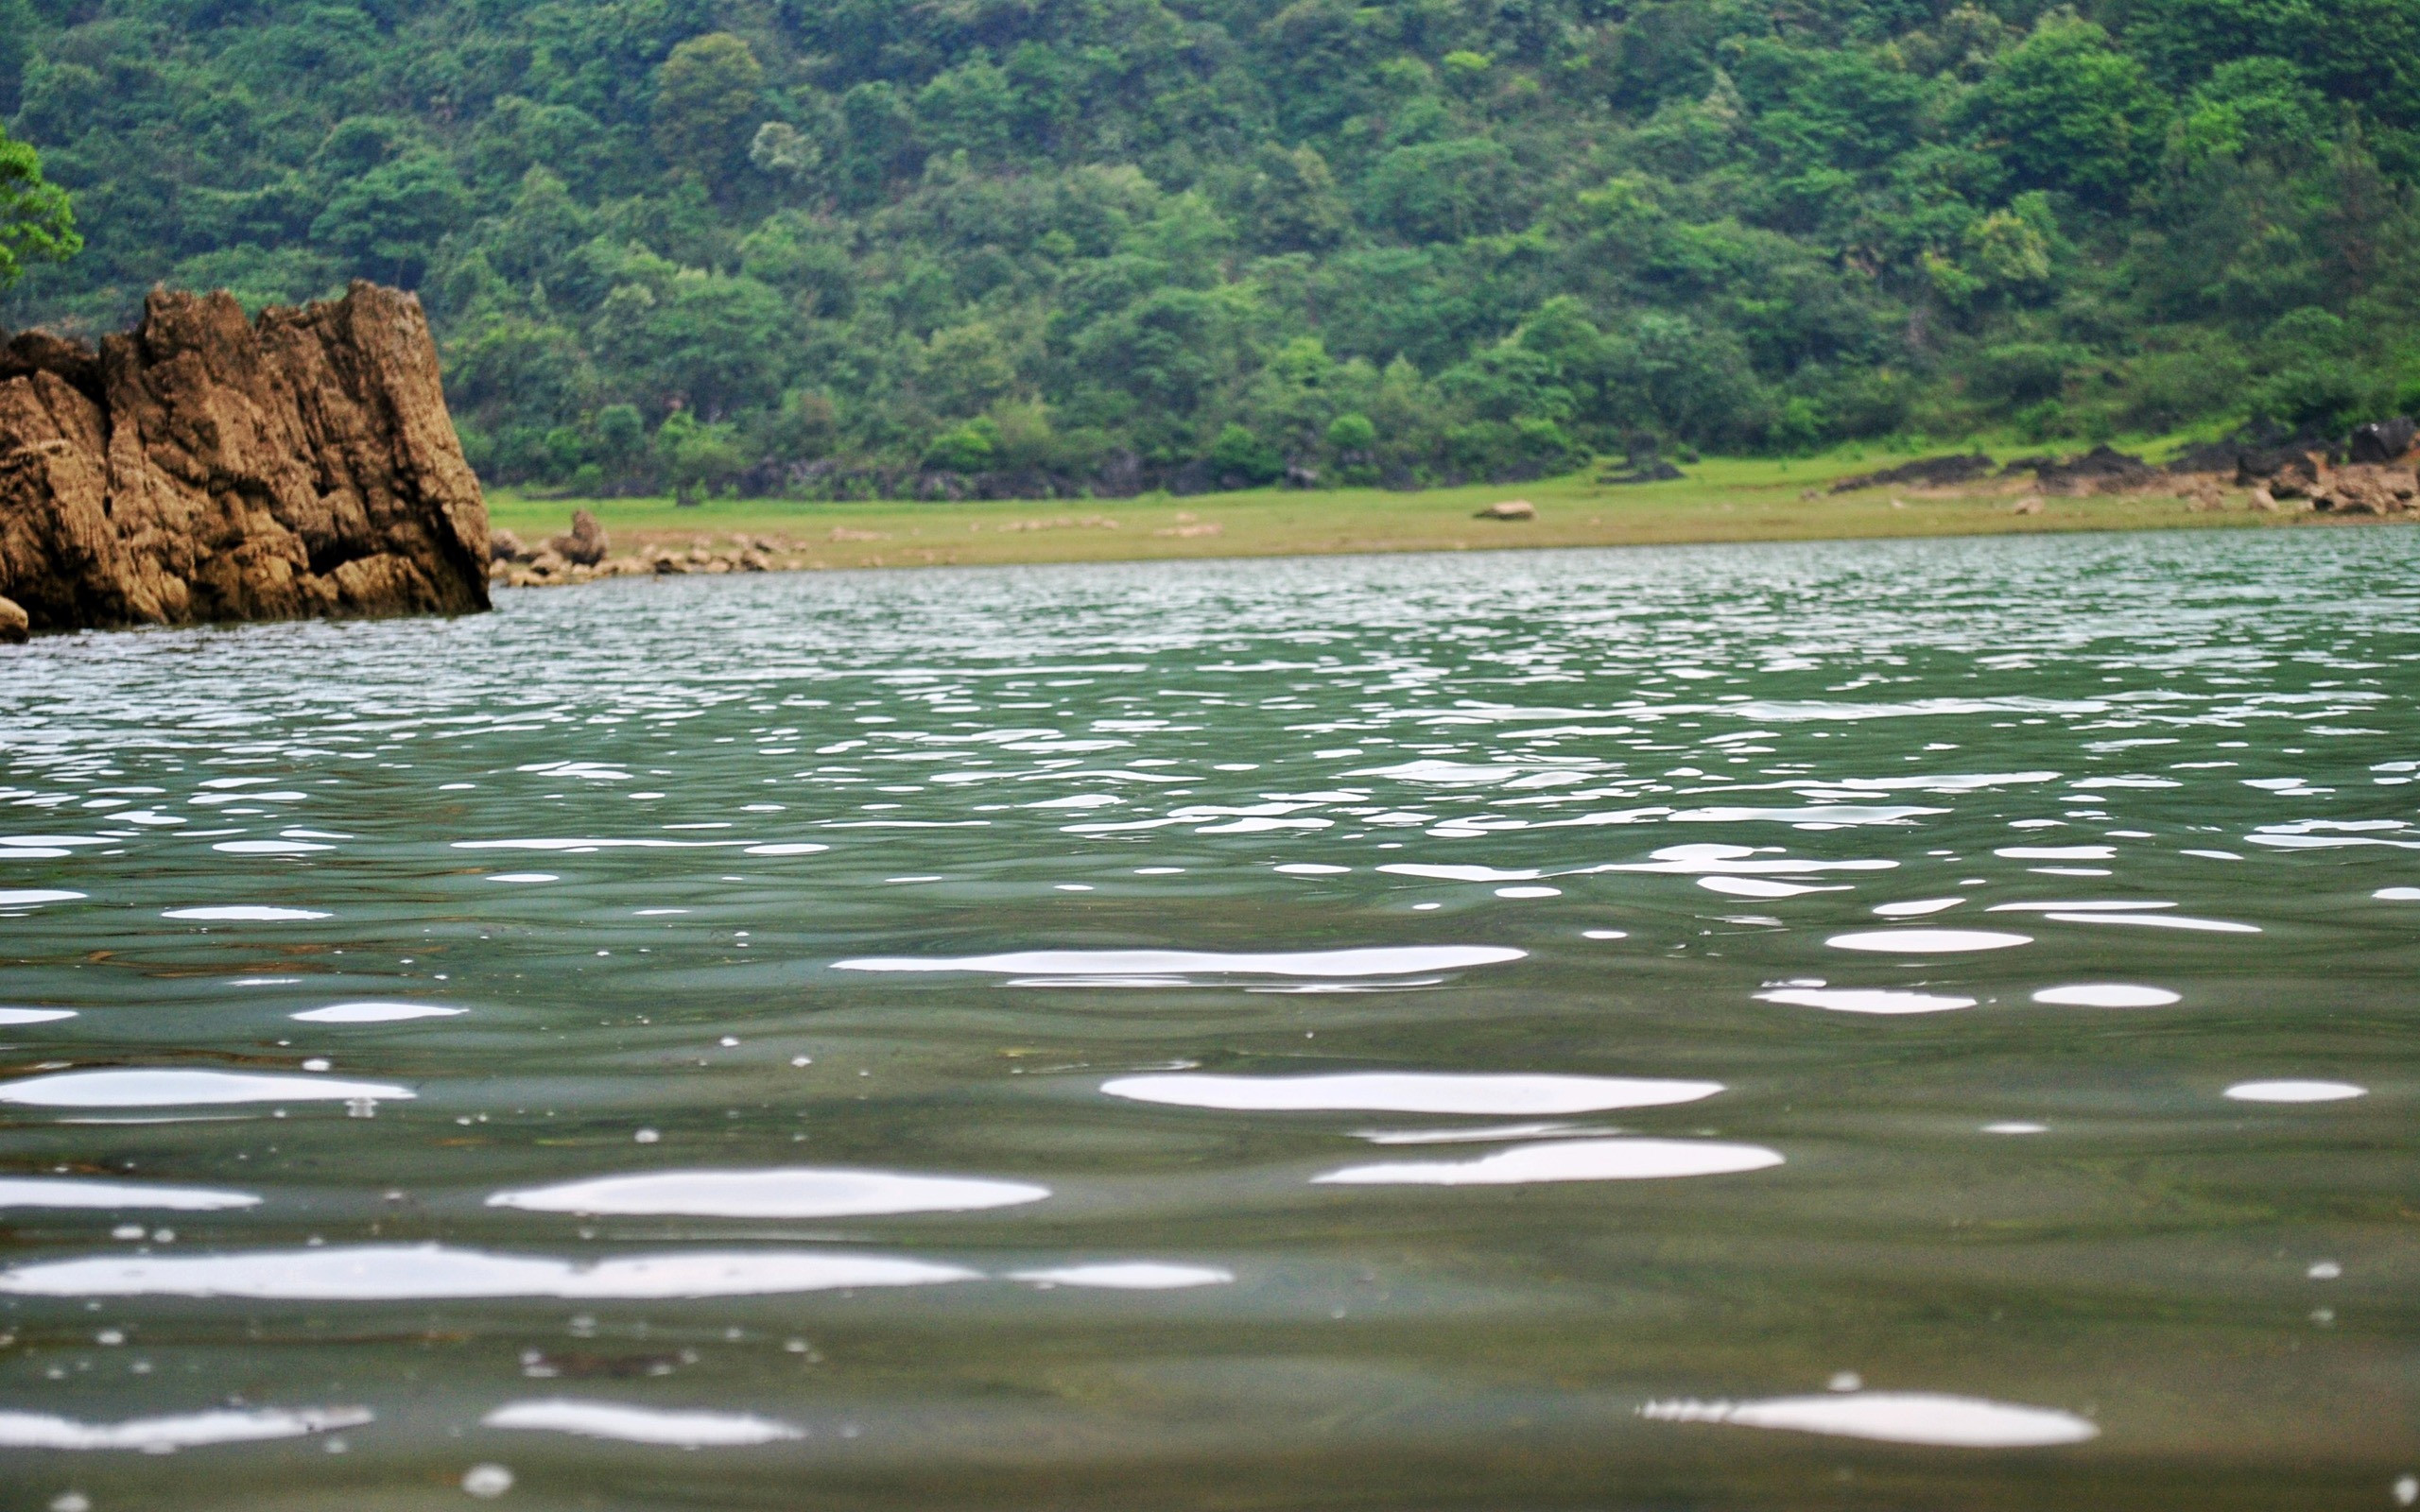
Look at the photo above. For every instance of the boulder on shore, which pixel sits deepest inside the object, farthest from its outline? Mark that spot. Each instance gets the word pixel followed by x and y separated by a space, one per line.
pixel 205 467
pixel 2382 441
pixel 586 543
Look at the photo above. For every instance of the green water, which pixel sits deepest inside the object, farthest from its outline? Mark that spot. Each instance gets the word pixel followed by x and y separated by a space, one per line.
pixel 1784 1190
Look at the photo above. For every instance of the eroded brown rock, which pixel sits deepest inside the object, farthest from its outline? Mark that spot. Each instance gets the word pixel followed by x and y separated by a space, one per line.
pixel 2366 488
pixel 202 467
pixel 586 544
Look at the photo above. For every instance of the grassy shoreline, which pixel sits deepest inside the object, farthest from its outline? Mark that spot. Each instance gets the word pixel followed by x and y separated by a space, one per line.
pixel 1723 500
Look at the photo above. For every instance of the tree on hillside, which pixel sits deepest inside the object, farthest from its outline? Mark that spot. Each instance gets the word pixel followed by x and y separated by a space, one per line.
pixel 36 222
pixel 709 101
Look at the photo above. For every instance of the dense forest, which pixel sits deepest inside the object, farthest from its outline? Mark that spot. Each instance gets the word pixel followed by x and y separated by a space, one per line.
pixel 841 247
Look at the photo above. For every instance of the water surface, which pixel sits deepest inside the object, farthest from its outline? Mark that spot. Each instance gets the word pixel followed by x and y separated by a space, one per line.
pixel 1882 1024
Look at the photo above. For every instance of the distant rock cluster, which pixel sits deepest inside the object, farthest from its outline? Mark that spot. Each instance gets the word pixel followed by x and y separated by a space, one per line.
pixel 205 467
pixel 2370 472
pixel 582 555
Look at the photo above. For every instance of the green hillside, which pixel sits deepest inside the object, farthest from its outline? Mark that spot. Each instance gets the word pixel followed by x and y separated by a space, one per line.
pixel 843 248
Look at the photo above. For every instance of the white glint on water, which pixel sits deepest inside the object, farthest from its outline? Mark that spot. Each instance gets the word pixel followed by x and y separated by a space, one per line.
pixel 10 1016
pixel 1614 1160
pixel 798 1192
pixel 1736 860
pixel 1439 873
pixel 2088 907
pixel 237 914
pixel 1927 942
pixel 1892 1416
pixel 1529 892
pixel 1916 907
pixel 1410 1092
pixel 523 876
pixel 2058 853
pixel 487 1482
pixel 642 1425
pixel 2106 995
pixel 785 849
pixel 44 1191
pixel 1758 888
pixel 34 896
pixel 2206 926
pixel 2295 1091
pixel 1380 961
pixel 374 1273
pixel 375 1013
pixel 161 1436
pixel 1484 1134
pixel 581 846
pixel 1127 1275
pixel 2016 1126
pixel 2398 895
pixel 178 1089
pixel 1882 1000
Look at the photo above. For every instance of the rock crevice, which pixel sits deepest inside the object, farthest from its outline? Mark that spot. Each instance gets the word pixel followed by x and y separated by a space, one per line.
pixel 203 467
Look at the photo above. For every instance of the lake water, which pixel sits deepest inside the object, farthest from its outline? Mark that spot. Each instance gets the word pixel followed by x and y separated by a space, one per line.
pixel 1919 1025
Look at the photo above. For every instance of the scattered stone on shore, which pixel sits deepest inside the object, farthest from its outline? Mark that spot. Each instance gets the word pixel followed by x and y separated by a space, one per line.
pixel 503 545
pixel 2029 504
pixel 15 625
pixel 1509 509
pixel 1090 522
pixel 586 542
pixel 2263 500
pixel 203 467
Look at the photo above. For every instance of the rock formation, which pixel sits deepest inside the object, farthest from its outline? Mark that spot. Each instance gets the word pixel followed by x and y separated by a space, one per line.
pixel 586 544
pixel 2366 488
pixel 202 467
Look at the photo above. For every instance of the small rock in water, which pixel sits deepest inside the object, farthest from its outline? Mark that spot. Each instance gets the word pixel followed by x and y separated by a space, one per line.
pixel 15 625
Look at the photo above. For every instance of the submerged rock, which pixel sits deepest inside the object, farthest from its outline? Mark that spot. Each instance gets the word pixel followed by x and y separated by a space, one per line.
pixel 202 467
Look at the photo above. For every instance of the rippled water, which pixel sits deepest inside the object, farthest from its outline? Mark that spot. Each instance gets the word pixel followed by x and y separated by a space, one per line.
pixel 1915 1026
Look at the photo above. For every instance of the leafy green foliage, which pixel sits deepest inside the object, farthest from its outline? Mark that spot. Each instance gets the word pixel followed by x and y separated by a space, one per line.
pixel 35 219
pixel 850 246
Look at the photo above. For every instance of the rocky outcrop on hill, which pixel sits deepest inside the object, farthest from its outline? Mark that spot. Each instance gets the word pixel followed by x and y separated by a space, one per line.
pixel 1931 471
pixel 203 467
